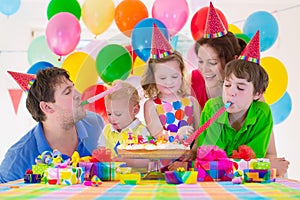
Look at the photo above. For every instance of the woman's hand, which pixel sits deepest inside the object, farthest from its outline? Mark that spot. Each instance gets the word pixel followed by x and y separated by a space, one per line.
pixel 177 164
pixel 185 131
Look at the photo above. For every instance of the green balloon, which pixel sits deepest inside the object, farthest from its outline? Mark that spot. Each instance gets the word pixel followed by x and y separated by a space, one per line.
pixel 39 50
pixel 70 6
pixel 243 37
pixel 113 62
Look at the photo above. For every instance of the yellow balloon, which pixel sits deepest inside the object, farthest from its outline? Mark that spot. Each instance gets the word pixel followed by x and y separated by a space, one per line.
pixel 138 67
pixel 234 29
pixel 278 79
pixel 82 70
pixel 98 15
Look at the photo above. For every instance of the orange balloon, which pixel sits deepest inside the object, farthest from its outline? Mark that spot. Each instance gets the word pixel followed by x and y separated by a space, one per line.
pixel 128 13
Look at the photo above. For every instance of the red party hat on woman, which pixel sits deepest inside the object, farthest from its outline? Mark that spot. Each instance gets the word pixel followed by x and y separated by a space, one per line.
pixel 214 27
pixel 25 81
pixel 252 52
pixel 160 45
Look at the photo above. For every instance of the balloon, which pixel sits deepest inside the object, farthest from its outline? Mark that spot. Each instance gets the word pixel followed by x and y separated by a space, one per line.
pixel 113 62
pixel 128 13
pixel 199 20
pixel 63 33
pixel 243 37
pixel 268 26
pixel 99 105
pixel 234 29
pixel 82 70
pixel 38 66
pixel 278 79
pixel 281 109
pixel 70 6
pixel 141 37
pixel 138 67
pixel 173 15
pixel 94 47
pixel 9 7
pixel 98 15
pixel 131 52
pixel 39 50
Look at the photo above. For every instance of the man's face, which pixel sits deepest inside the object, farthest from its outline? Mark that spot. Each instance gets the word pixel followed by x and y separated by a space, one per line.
pixel 67 103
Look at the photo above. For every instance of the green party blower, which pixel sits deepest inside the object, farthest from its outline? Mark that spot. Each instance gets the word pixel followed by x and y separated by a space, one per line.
pixel 102 94
pixel 192 137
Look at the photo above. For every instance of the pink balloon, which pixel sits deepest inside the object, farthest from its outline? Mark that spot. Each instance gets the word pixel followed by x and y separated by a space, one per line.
pixel 173 14
pixel 63 33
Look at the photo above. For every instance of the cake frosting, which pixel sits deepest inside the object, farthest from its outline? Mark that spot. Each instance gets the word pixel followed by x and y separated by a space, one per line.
pixel 157 146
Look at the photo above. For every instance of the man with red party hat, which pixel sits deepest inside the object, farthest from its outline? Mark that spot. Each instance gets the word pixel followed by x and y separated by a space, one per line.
pixel 247 121
pixel 63 124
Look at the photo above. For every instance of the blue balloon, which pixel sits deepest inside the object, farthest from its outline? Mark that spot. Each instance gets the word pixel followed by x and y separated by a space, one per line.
pixel 141 36
pixel 9 7
pixel 281 108
pixel 266 24
pixel 38 66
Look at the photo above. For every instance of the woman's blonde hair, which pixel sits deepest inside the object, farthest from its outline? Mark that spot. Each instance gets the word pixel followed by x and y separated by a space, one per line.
pixel 148 82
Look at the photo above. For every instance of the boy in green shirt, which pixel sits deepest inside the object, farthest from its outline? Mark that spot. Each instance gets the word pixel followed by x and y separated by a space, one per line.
pixel 247 121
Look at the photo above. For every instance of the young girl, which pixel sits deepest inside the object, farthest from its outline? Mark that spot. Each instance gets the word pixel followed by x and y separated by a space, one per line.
pixel 169 106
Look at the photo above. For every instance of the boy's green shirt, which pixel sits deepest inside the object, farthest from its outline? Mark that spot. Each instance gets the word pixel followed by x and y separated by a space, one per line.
pixel 255 132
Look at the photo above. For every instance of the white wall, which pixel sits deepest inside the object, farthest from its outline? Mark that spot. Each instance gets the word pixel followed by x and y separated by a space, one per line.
pixel 15 37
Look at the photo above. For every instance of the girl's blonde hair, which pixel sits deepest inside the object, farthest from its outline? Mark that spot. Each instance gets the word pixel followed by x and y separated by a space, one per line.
pixel 148 82
pixel 125 91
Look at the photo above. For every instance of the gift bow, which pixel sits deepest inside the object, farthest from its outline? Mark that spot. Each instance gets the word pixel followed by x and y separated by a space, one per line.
pixel 210 153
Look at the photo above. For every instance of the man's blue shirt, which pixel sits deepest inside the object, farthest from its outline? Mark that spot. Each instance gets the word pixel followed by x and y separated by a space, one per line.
pixel 21 156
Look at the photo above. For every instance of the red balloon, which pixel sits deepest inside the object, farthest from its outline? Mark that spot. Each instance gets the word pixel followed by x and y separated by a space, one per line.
pixel 131 52
pixel 99 105
pixel 199 20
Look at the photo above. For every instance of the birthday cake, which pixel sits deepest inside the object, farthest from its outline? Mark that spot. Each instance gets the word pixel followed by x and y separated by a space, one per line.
pixel 155 149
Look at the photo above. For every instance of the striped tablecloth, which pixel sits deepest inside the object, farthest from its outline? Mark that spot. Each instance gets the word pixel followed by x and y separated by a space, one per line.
pixel 282 189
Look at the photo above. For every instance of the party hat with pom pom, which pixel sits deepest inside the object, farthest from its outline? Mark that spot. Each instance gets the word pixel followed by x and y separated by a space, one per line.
pixel 252 52
pixel 214 27
pixel 160 45
pixel 25 81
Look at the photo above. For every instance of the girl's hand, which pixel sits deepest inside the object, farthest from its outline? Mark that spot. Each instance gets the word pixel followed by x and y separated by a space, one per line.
pixel 175 165
pixel 185 131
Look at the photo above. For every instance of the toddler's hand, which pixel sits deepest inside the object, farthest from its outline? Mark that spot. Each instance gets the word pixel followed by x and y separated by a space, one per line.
pixel 185 131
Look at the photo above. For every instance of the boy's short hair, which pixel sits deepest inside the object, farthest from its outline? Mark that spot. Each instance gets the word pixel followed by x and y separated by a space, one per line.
pixel 250 71
pixel 125 91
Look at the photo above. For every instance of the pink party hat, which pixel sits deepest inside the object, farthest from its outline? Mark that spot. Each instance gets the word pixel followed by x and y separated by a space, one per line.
pixel 25 81
pixel 252 52
pixel 214 27
pixel 160 45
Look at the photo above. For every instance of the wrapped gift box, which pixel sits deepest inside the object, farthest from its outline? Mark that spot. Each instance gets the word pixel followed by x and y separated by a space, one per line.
pixel 219 170
pixel 260 175
pixel 87 166
pixel 107 171
pixel 40 168
pixel 32 178
pixel 186 177
pixel 257 163
pixel 64 176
